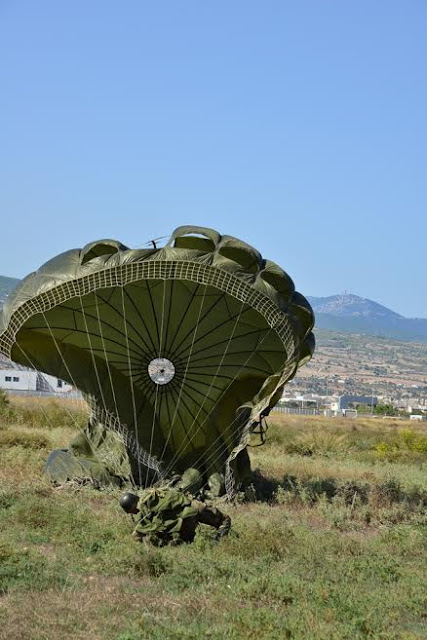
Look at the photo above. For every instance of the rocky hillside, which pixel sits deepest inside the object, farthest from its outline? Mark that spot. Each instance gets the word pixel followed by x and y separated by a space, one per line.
pixel 352 314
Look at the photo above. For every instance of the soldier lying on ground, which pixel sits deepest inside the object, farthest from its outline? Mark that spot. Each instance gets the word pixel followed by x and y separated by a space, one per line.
pixel 167 516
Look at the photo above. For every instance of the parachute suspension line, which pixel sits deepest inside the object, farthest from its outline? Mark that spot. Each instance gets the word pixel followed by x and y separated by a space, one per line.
pixel 157 385
pixel 132 391
pixel 70 375
pixel 189 440
pixel 82 403
pixel 152 428
pixel 95 366
pixel 92 355
pixel 48 421
pixel 220 449
pixel 113 391
pixel 218 370
pixel 106 418
pixel 185 372
pixel 111 421
pixel 223 447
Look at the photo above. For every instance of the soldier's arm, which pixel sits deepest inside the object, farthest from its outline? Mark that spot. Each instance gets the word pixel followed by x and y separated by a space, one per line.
pixel 213 517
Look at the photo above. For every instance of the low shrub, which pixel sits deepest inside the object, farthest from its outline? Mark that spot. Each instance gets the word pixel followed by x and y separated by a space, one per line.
pixel 317 443
pixel 386 493
pixel 403 442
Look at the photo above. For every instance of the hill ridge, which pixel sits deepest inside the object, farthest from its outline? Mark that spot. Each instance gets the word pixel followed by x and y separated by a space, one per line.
pixel 346 313
pixel 350 313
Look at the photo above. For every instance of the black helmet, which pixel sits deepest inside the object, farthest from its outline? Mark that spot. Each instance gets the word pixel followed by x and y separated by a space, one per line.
pixel 128 501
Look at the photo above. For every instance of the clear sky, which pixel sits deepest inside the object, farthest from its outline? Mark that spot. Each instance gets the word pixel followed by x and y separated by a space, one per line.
pixel 299 127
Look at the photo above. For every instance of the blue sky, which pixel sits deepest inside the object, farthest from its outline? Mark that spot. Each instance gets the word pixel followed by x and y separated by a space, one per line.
pixel 299 127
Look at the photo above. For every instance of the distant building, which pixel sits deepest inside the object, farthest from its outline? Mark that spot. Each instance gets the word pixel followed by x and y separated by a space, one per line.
pixel 345 401
pixel 27 381
pixel 349 413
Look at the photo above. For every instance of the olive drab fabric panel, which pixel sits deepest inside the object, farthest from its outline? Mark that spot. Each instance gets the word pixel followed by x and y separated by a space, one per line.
pixel 177 348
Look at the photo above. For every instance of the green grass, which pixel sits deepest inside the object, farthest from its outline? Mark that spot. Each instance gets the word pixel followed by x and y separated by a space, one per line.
pixel 332 545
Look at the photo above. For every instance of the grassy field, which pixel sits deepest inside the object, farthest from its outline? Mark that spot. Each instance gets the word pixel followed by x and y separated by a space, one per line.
pixel 329 543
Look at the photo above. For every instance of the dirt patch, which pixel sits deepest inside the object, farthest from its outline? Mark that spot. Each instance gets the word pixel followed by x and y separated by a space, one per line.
pixel 46 550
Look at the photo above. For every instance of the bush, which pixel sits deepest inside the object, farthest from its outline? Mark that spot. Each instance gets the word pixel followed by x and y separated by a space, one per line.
pixel 317 443
pixel 386 493
pixel 405 441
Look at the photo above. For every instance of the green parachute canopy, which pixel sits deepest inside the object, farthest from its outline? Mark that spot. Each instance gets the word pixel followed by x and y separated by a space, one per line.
pixel 179 349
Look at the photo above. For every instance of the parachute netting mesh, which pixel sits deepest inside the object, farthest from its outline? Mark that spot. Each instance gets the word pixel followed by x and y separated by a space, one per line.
pixel 178 350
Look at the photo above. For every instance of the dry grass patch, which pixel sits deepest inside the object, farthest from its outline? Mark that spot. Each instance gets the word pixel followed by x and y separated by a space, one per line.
pixel 14 436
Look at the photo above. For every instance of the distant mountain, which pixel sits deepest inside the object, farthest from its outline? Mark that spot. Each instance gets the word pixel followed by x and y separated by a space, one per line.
pixel 349 305
pixel 345 313
pixel 6 286
pixel 353 314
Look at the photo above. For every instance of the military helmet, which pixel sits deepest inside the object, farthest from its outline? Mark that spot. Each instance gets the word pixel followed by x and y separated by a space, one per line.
pixel 128 501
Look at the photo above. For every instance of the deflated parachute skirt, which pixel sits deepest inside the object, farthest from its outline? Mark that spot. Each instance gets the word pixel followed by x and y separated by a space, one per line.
pixel 96 456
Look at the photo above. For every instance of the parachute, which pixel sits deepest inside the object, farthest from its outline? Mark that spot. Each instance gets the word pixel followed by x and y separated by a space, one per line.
pixel 180 350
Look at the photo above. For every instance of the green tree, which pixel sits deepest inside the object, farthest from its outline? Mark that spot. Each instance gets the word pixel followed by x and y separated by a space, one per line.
pixel 385 410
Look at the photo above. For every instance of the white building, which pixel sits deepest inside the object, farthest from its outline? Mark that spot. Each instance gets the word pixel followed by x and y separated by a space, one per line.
pixel 28 381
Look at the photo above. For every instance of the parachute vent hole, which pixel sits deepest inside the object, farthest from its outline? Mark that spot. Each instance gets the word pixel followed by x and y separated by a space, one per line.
pixel 161 370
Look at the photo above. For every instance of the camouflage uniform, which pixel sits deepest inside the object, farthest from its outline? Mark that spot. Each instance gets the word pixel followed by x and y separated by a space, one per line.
pixel 168 516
